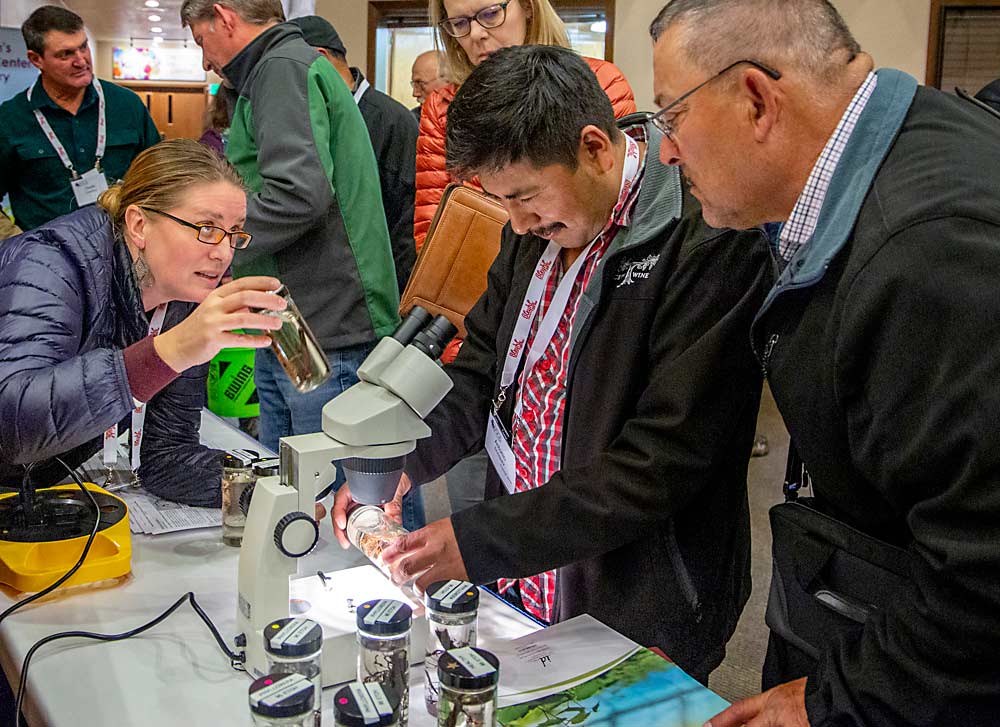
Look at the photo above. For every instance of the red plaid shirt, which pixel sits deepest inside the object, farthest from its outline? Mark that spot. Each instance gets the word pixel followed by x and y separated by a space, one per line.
pixel 538 432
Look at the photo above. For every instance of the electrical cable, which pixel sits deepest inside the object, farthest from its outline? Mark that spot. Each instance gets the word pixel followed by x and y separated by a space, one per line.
pixel 83 555
pixel 236 660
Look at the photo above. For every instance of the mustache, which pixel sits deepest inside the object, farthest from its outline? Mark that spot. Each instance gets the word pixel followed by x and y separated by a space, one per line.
pixel 548 229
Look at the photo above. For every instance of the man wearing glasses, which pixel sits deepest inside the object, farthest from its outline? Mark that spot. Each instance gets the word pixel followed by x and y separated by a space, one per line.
pixel 880 344
pixel 425 78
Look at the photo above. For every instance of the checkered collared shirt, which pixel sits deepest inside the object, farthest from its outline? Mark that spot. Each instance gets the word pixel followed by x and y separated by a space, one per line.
pixel 538 432
pixel 801 224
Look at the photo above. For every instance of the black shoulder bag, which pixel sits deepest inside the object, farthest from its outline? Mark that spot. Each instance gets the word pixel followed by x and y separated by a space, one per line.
pixel 827 579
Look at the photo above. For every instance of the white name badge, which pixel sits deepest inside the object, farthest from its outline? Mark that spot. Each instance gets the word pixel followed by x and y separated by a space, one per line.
pixel 88 188
pixel 501 455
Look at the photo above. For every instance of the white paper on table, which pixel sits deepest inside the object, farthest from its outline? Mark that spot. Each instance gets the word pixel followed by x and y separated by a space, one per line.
pixel 557 658
pixel 153 515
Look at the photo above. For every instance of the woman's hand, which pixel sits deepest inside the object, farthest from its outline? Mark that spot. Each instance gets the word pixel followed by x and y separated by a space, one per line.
pixel 210 326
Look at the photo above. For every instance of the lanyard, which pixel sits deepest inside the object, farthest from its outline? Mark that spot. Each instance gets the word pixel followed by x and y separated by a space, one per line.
pixel 539 280
pixel 138 413
pixel 102 131
pixel 362 87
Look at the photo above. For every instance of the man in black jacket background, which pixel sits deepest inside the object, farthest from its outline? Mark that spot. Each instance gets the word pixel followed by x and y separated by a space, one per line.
pixel 880 341
pixel 393 131
pixel 631 395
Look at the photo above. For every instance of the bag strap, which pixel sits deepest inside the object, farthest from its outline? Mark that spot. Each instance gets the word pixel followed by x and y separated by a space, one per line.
pixel 796 475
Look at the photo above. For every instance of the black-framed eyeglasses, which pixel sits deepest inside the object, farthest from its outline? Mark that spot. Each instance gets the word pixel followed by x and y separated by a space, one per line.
pixel 666 123
pixel 210 234
pixel 492 16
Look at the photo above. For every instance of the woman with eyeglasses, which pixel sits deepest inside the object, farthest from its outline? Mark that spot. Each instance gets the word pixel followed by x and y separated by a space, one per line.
pixel 119 305
pixel 469 31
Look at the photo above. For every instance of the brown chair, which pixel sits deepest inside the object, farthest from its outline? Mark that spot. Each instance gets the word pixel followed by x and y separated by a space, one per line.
pixel 450 273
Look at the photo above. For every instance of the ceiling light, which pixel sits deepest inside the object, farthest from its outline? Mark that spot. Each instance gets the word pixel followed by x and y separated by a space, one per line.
pixel 152 3
pixel 156 30
pixel 154 18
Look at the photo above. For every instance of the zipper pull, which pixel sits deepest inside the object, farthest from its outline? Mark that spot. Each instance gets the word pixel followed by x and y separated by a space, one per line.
pixel 768 350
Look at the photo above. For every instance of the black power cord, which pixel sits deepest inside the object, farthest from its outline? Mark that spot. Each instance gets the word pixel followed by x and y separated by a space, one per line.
pixel 235 660
pixel 83 555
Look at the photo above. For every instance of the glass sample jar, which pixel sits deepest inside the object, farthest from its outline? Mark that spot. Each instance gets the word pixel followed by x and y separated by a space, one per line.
pixel 294 646
pixel 366 705
pixel 384 648
pixel 282 700
pixel 468 680
pixel 371 531
pixel 237 476
pixel 452 608
pixel 296 347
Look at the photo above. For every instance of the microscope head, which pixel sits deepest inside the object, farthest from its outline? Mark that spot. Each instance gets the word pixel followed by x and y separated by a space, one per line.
pixel 381 417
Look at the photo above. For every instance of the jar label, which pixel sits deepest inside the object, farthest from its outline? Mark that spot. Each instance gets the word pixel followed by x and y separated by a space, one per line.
pixel 383 611
pixel 279 691
pixel 379 699
pixel 363 699
pixel 476 665
pixel 293 633
pixel 451 592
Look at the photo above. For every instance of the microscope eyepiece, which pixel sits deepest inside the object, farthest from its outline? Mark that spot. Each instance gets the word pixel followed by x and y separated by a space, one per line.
pixel 414 322
pixel 435 337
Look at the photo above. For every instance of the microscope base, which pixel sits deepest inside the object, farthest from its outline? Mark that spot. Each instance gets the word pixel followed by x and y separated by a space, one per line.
pixel 332 603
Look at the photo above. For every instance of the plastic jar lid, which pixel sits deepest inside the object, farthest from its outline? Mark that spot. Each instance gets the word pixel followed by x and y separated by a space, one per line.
pixel 290 637
pixel 366 705
pixel 266 467
pixel 281 695
pixel 384 617
pixel 468 668
pixel 452 597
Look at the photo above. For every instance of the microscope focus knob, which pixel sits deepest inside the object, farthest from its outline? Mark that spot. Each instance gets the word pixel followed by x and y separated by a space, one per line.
pixel 296 534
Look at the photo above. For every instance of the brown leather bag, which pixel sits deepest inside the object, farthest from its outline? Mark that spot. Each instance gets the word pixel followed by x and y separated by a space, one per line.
pixel 450 273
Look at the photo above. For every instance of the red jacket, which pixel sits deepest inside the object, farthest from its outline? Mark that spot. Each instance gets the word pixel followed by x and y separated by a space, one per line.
pixel 432 178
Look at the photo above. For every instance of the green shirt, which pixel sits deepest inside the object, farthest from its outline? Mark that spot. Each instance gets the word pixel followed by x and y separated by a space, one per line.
pixel 30 169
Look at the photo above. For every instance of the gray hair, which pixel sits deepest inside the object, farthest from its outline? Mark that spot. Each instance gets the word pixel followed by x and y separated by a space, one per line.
pixel 255 12
pixel 809 36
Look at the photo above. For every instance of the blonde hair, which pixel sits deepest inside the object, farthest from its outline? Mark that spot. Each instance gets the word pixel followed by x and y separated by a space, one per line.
pixel 545 27
pixel 161 175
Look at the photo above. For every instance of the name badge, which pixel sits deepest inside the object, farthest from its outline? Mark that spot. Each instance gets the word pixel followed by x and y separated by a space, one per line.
pixel 88 188
pixel 501 455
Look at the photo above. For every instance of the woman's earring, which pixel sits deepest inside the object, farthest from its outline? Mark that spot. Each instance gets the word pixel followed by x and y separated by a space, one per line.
pixel 143 275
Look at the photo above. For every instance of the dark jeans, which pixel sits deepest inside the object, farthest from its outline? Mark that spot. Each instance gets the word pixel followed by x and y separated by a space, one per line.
pixel 284 411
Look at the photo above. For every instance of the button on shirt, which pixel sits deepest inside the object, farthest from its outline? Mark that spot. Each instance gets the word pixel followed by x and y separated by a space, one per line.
pixel 538 433
pixel 30 169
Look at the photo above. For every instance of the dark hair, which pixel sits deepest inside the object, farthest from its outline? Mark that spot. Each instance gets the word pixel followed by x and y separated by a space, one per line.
pixel 46 18
pixel 525 103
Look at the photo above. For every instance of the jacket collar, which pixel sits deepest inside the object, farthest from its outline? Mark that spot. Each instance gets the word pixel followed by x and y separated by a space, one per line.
pixel 238 70
pixel 657 208
pixel 866 150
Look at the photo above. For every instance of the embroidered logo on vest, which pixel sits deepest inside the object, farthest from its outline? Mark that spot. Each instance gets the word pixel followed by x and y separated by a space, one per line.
pixel 632 270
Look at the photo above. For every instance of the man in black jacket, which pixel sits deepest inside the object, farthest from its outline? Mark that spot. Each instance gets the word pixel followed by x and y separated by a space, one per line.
pixel 608 369
pixel 879 341
pixel 393 131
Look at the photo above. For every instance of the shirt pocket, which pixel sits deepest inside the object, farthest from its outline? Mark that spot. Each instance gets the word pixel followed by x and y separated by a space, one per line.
pixel 121 148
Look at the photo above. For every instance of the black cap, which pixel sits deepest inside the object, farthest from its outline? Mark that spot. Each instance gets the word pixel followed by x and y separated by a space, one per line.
pixel 356 704
pixel 384 617
pixel 320 34
pixel 452 597
pixel 468 668
pixel 281 695
pixel 290 637
pixel 267 467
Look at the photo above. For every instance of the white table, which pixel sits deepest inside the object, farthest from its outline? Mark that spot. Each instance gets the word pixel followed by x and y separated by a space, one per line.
pixel 174 674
